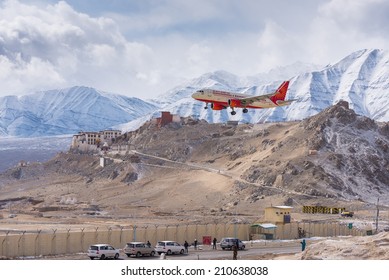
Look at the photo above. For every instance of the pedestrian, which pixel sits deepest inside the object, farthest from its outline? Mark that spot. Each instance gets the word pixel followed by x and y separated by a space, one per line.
pixel 186 245
pixel 195 244
pixel 214 243
pixel 303 244
pixel 148 244
pixel 235 252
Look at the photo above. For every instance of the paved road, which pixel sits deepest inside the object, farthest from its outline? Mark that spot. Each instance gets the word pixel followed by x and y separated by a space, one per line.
pixel 227 254
pixel 205 254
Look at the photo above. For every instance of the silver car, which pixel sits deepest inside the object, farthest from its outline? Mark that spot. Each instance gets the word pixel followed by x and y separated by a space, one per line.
pixel 229 242
pixel 102 251
pixel 138 249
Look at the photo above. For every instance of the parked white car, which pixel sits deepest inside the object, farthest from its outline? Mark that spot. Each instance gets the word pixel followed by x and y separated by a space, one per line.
pixel 103 251
pixel 138 249
pixel 169 247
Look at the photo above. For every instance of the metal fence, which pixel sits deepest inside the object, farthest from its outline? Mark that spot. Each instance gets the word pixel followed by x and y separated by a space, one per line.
pixel 55 242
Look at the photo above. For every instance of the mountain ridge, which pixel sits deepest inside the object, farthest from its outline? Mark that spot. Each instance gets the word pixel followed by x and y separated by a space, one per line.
pixel 67 111
pixel 361 78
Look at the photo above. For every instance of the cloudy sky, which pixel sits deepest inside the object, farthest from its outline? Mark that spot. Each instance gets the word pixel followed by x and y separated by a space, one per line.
pixel 143 48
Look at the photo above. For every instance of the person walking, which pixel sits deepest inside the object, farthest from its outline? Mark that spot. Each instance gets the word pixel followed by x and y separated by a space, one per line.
pixel 195 244
pixel 235 252
pixel 303 244
pixel 214 243
pixel 186 245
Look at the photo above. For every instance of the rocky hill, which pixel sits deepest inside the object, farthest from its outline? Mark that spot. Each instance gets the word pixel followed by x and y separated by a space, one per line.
pixel 194 170
pixel 333 154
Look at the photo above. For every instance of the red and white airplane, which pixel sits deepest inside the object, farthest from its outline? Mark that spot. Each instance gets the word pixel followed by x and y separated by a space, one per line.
pixel 222 99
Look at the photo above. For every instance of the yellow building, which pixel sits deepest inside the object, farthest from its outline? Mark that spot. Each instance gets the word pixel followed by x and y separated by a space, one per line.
pixel 278 214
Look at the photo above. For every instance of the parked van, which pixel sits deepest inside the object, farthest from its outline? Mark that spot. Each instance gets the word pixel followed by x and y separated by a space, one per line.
pixel 229 242
pixel 138 249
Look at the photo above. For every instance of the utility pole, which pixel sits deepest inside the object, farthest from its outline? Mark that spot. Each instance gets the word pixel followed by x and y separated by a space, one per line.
pixel 376 220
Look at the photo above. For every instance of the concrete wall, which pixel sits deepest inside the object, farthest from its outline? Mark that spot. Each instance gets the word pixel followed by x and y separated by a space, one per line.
pixel 21 245
pixel 119 148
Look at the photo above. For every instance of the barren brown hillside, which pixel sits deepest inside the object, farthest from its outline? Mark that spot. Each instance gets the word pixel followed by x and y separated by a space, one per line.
pixel 198 172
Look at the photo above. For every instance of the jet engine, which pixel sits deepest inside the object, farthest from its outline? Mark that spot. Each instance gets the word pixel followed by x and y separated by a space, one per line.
pixel 234 103
pixel 217 107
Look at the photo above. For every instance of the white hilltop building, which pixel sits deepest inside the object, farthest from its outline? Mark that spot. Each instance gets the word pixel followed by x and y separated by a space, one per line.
pixel 91 141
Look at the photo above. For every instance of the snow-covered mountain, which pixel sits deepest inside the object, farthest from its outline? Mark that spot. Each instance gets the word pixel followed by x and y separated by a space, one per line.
pixel 67 111
pixel 362 79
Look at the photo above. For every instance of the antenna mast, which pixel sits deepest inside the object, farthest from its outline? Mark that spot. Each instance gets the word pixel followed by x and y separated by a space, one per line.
pixel 376 219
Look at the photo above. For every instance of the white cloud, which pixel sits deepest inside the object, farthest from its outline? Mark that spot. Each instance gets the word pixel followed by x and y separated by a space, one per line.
pixel 271 47
pixel 344 26
pixel 143 48
pixel 55 46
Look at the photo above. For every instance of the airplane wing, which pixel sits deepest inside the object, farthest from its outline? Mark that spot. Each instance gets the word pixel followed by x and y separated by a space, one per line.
pixel 251 100
pixel 279 94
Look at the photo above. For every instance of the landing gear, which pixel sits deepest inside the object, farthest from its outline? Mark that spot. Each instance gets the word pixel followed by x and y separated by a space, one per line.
pixel 206 106
pixel 245 110
pixel 233 112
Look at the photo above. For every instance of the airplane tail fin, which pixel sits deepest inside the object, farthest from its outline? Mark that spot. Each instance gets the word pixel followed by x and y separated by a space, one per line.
pixel 280 93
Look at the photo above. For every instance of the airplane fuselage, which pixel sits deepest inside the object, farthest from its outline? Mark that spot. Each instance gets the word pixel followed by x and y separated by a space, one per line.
pixel 222 98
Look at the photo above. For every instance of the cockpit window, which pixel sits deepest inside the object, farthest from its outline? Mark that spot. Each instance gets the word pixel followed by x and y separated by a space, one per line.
pixel 201 91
